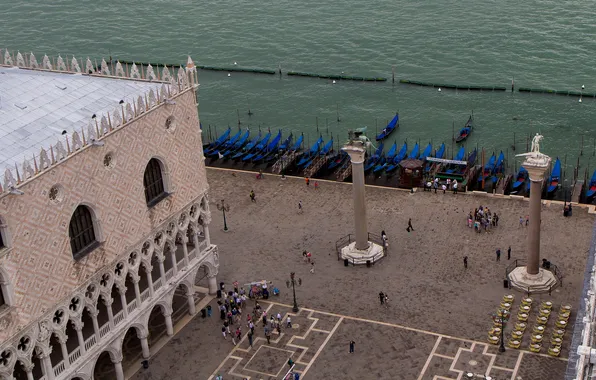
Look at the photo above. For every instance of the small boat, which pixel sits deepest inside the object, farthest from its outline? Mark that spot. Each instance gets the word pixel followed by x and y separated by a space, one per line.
pixel 225 146
pixel 389 159
pixel 414 152
pixel 298 144
pixel 555 177
pixel 488 168
pixel 242 151
pixel 285 145
pixel 498 168
pixel 220 140
pixel 260 147
pixel 426 152
pixel 306 157
pixel 466 130
pixel 392 126
pixel 372 160
pixel 398 158
pixel 327 147
pixel 522 176
pixel 283 148
pixel 592 187
pixel 272 147
pixel 337 160
pixel 458 157
pixel 439 154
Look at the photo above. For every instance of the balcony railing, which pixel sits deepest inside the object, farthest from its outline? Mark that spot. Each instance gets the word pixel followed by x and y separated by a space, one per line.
pixel 59 368
pixel 90 342
pixel 73 356
pixel 104 330
pixel 157 284
pixel 119 317
pixel 192 255
pixel 169 274
pixel 145 295
pixel 132 306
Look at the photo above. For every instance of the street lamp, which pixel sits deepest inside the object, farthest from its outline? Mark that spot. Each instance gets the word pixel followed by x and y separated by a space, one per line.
pixel 224 207
pixel 503 320
pixel 292 282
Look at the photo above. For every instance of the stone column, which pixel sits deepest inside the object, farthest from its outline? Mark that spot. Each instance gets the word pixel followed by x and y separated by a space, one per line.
pixel 174 262
pixel 79 329
pixel 536 175
pixel 162 270
pixel 29 370
pixel 94 315
pixel 357 152
pixel 47 365
pixel 185 251
pixel 192 309
pixel 119 370
pixel 64 351
pixel 207 237
pixel 135 281
pixel 123 300
pixel 150 282
pixel 169 325
pixel 212 284
pixel 145 346
pixel 108 302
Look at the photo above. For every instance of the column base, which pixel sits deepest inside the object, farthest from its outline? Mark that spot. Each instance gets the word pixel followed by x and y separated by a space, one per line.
pixel 356 256
pixel 543 282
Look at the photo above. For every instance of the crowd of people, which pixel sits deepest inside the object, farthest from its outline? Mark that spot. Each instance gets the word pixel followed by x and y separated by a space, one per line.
pixel 482 219
pixel 448 184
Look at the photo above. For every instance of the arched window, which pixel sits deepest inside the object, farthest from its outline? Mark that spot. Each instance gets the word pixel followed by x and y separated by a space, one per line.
pixel 154 183
pixel 82 232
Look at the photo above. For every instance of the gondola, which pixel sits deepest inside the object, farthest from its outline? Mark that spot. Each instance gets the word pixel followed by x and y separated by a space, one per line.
pixel 260 147
pixel 372 160
pixel 225 146
pixel 281 150
pixel 499 166
pixel 458 157
pixel 522 176
pixel 488 168
pixel 272 147
pixel 398 158
pixel 414 153
pixel 426 152
pixel 327 147
pixel 466 130
pixel 439 154
pixel 237 146
pixel 555 178
pixel 220 140
pixel 591 187
pixel 389 159
pixel 298 144
pixel 241 152
pixel 392 126
pixel 307 156
pixel 337 160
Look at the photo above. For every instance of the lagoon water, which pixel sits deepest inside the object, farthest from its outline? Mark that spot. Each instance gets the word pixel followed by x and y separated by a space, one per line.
pixel 542 43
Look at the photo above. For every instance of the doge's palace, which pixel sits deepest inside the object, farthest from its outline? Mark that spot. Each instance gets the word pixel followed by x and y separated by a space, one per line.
pixel 104 214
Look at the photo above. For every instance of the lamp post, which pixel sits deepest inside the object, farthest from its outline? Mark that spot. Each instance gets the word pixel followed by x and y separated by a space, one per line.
pixel 292 282
pixel 223 207
pixel 503 320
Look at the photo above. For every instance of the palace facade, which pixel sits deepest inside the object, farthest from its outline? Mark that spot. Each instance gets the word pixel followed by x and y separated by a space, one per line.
pixel 104 214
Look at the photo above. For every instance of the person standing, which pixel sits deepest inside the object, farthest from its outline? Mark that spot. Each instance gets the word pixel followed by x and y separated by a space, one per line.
pixel 465 262
pixel 527 220
pixel 288 322
pixel 299 206
pixel 316 185
pixel 521 221
pixel 410 228
pixel 312 267
pixel 252 196
pixel 498 254
pixel 352 343
pixel 223 332
pixel 454 186
pixel 268 334
pixel 382 297
pixel 307 181
pixel 509 253
pixel 250 333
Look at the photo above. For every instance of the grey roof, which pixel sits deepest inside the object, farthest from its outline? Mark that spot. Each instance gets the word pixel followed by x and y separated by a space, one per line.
pixel 36 106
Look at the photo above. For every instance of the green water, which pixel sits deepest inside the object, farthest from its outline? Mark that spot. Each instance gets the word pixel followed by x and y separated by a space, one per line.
pixel 542 43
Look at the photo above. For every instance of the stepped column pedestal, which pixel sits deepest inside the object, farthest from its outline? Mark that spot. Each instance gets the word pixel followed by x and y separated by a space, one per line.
pixel 532 278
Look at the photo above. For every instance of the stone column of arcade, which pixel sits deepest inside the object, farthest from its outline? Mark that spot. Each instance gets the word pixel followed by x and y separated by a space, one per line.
pixel 361 250
pixel 532 278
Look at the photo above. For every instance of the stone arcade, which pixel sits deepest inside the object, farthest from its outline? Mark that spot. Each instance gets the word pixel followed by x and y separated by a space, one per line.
pixel 104 215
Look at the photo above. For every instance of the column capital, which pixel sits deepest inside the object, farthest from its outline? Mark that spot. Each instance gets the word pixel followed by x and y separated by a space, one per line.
pixel 168 314
pixel 356 151
pixel 108 301
pixel 28 367
pixel 78 325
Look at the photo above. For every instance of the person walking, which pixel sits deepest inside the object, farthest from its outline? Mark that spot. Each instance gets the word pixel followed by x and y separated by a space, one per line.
pixel 509 253
pixel 312 267
pixel 252 196
pixel 288 322
pixel 527 220
pixel 268 334
pixel 299 206
pixel 465 262
pixel 410 228
pixel 454 186
pixel 316 185
pixel 382 297
pixel 279 317
pixel 443 187
pixel 352 343
pixel 223 332
pixel 521 221
pixel 498 254
pixel 250 334
pixel 307 181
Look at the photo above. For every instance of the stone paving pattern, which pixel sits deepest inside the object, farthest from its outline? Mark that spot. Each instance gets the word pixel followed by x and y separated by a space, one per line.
pixel 424 276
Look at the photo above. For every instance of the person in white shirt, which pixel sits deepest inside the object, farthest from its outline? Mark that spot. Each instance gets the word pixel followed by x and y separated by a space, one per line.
pixel 288 322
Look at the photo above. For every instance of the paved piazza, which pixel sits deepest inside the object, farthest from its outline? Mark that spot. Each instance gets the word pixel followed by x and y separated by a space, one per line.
pixel 439 315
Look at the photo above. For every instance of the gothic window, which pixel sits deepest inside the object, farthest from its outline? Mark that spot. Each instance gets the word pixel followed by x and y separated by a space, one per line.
pixel 82 232
pixel 154 183
pixel 2 301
